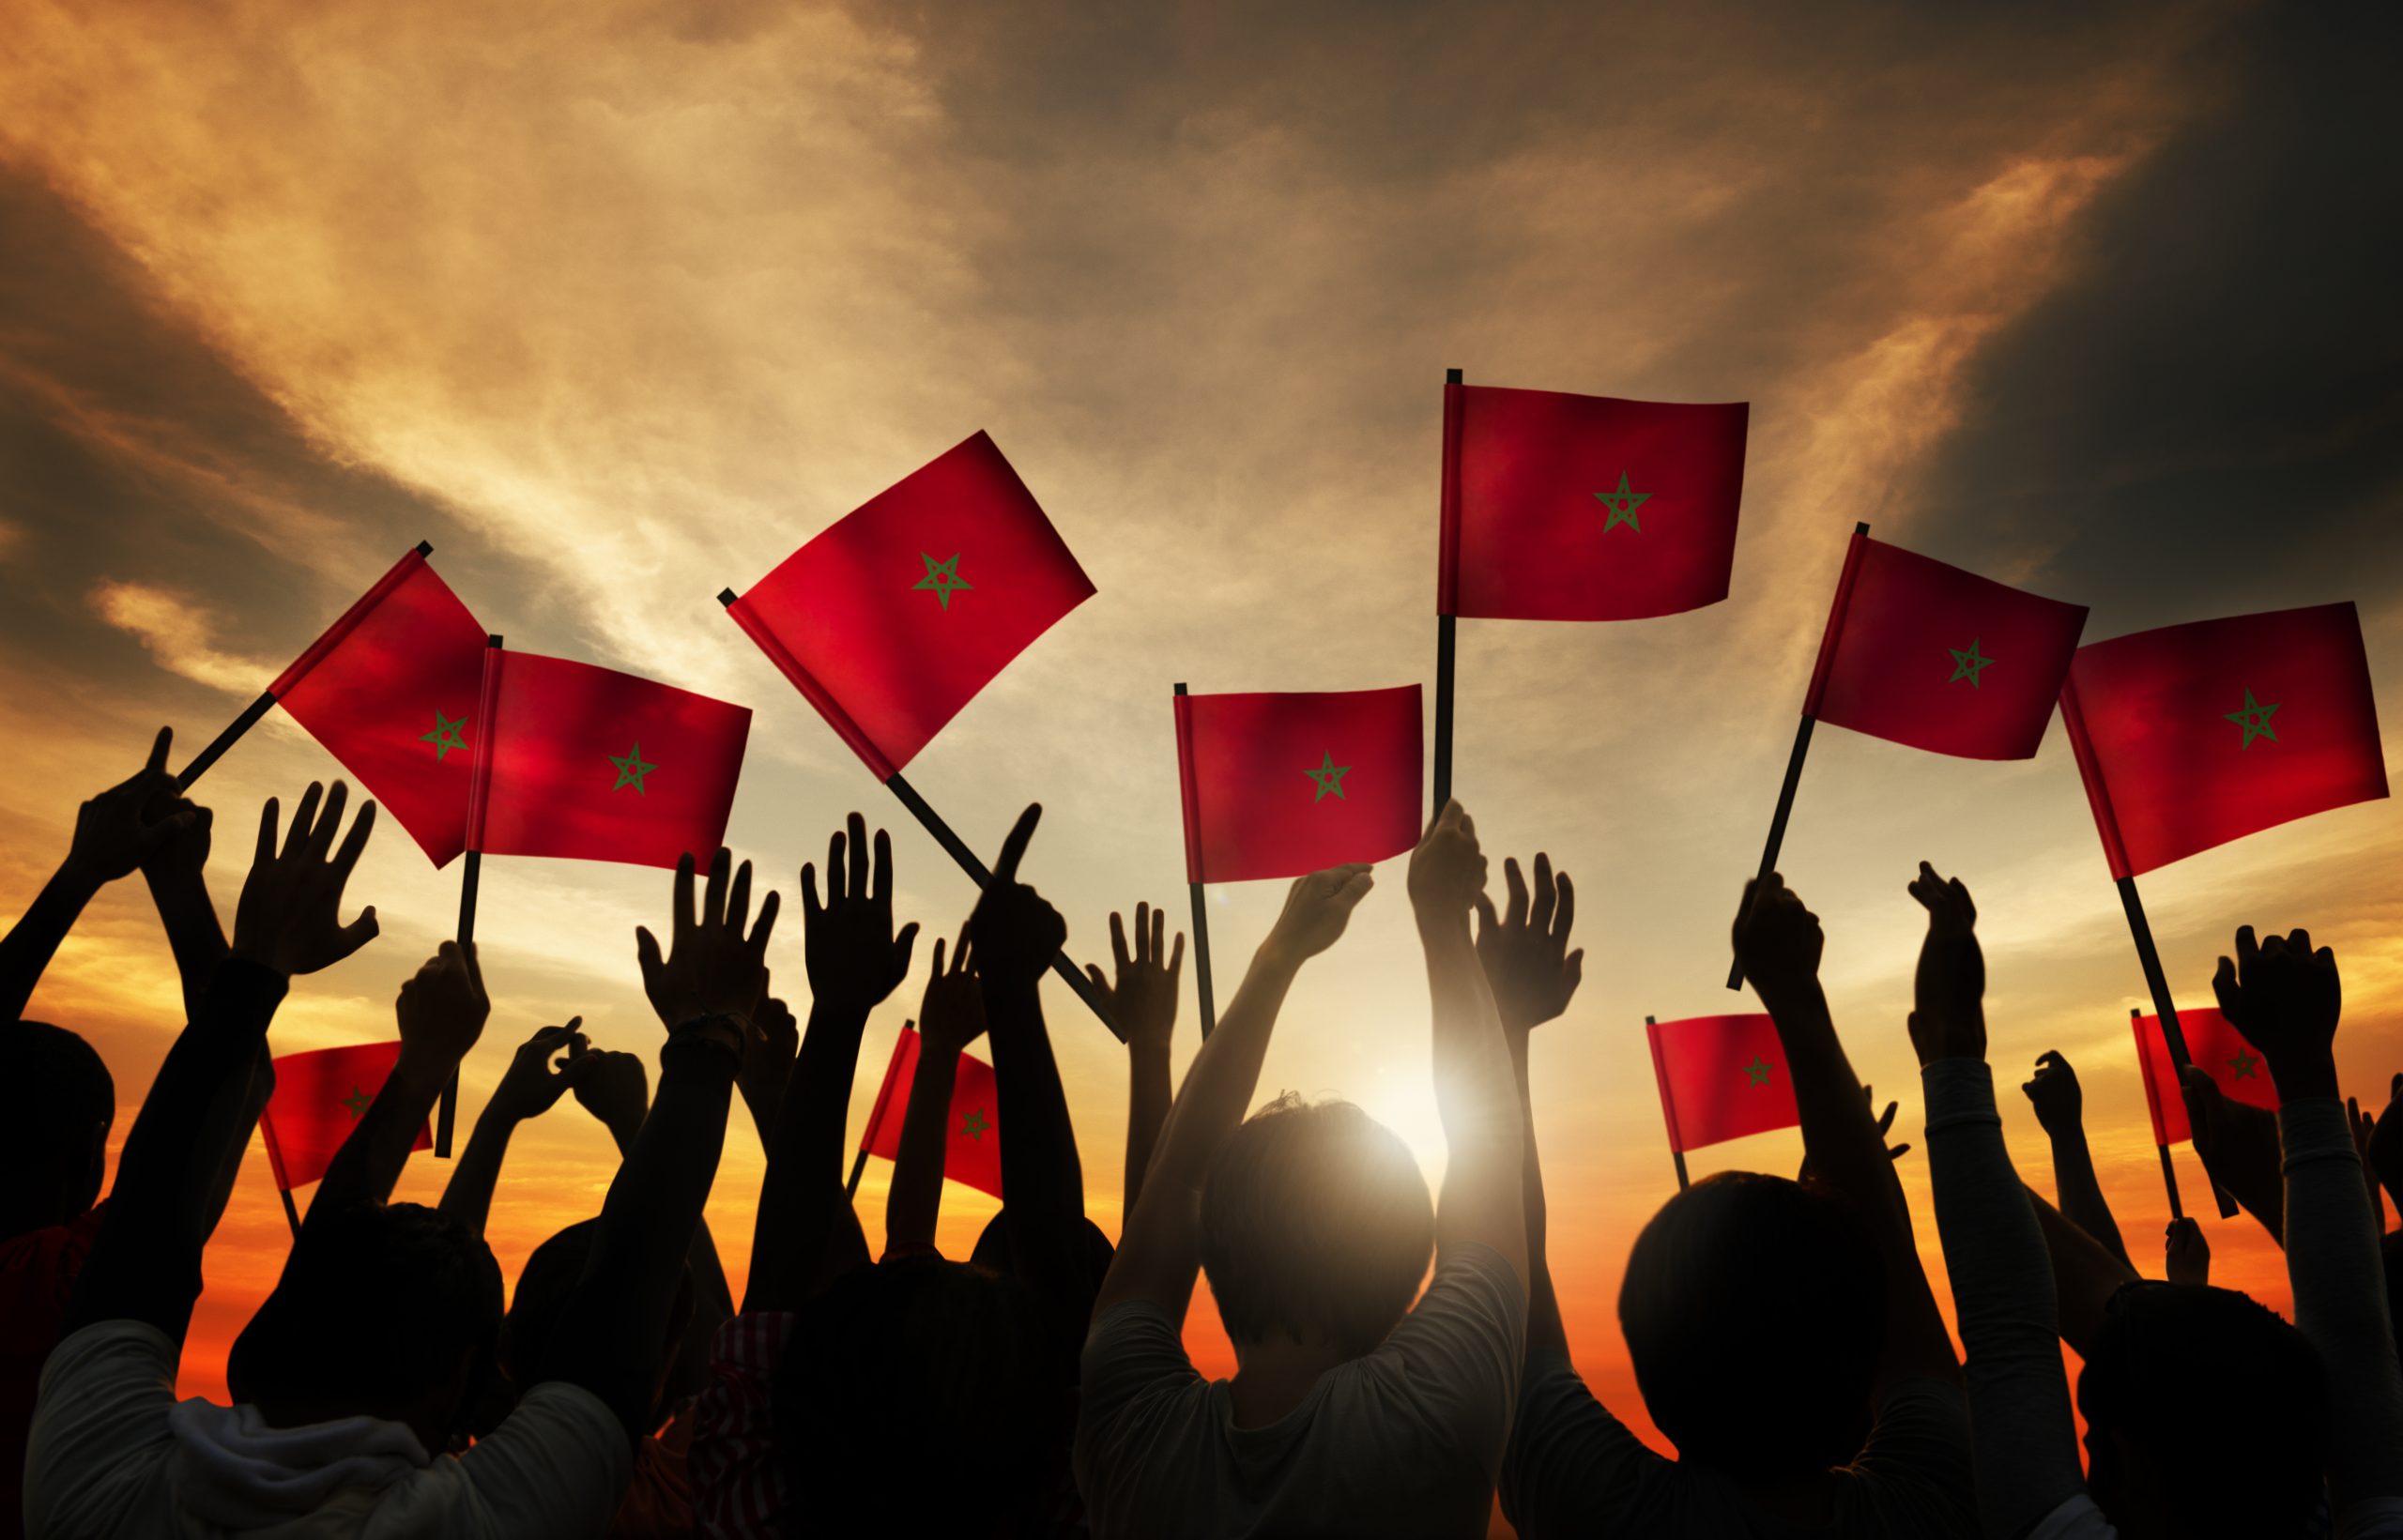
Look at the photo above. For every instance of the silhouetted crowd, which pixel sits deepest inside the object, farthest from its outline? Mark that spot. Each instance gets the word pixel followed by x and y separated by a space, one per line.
pixel 1782 1332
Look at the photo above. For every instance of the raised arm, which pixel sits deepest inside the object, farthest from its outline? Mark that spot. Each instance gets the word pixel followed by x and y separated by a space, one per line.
pixel 442 1011
pixel 2060 1108
pixel 538 1075
pixel 767 1065
pixel 1159 1251
pixel 806 1229
pixel 1142 1000
pixel 2385 1147
pixel 951 1015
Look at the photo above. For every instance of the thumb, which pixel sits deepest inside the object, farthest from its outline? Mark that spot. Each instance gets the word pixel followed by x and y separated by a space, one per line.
pixel 357 934
pixel 1487 920
pixel 646 957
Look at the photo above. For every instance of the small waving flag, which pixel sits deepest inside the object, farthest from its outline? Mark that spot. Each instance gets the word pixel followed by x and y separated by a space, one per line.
pixel 892 619
pixel 1561 507
pixel 1281 785
pixel 2218 1049
pixel 1928 655
pixel 2191 736
pixel 391 691
pixel 1722 1077
pixel 319 1097
pixel 972 1130
pixel 594 765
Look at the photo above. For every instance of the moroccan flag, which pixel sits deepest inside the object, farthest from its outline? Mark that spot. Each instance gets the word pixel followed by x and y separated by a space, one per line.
pixel 1722 1077
pixel 1585 508
pixel 391 691
pixel 2191 736
pixel 892 619
pixel 2218 1049
pixel 1281 785
pixel 972 1135
pixel 319 1097
pixel 1928 655
pixel 595 765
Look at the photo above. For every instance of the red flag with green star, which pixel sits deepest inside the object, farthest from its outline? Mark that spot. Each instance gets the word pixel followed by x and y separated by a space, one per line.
pixel 893 617
pixel 391 691
pixel 2218 1049
pixel 1722 1077
pixel 971 1129
pixel 1561 507
pixel 319 1097
pixel 1277 784
pixel 594 765
pixel 2191 736
pixel 1925 654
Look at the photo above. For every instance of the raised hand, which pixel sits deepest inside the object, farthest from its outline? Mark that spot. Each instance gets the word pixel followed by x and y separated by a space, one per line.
pixel 1317 909
pixel 855 959
pixel 613 1087
pixel 2059 1104
pixel 1949 1019
pixel 1017 932
pixel 2239 1144
pixel 541 1070
pixel 442 1012
pixel 127 825
pixel 1142 1001
pixel 2385 1149
pixel 1885 1131
pixel 713 967
pixel 289 917
pixel 1524 951
pixel 1446 871
pixel 768 1054
pixel 2188 1251
pixel 1777 938
pixel 951 1013
pixel 2285 999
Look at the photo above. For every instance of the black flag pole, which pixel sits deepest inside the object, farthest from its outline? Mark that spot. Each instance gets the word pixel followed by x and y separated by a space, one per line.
pixel 470 871
pixel 859 1165
pixel 1445 626
pixel 2168 1172
pixel 240 724
pixel 1202 947
pixel 2172 1035
pixel 291 1212
pixel 1801 744
pixel 1675 1154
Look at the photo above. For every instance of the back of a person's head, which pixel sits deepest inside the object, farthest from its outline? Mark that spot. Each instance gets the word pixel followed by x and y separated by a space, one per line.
pixel 912 1399
pixel 382 1310
pixel 544 1289
pixel 995 1253
pixel 2185 1386
pixel 1755 1310
pixel 1316 1225
pixel 57 1106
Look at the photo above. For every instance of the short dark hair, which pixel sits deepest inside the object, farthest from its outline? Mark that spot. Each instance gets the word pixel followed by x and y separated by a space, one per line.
pixel 57 1103
pixel 545 1285
pixel 2179 1376
pixel 376 1305
pixel 1755 1310
pixel 1315 1221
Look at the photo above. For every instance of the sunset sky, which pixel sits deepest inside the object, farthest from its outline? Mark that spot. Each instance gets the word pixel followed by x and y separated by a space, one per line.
pixel 617 304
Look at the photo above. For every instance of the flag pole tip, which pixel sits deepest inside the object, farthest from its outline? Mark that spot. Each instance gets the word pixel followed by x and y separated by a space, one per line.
pixel 1861 527
pixel 425 548
pixel 725 596
pixel 492 639
pixel 1451 376
pixel 1180 687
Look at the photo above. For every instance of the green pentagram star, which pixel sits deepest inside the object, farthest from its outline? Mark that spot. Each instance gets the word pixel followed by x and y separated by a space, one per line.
pixel 358 1101
pixel 2245 1064
pixel 631 769
pixel 447 735
pixel 942 579
pixel 1757 1071
pixel 1329 776
pixel 1968 664
pixel 1623 504
pixel 974 1125
pixel 2254 718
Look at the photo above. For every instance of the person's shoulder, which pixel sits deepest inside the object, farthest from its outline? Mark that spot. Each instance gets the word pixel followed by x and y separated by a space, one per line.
pixel 133 1348
pixel 558 1464
pixel 1135 1325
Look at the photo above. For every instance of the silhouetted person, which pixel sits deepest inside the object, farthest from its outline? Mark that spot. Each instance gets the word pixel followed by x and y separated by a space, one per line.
pixel 2053 1091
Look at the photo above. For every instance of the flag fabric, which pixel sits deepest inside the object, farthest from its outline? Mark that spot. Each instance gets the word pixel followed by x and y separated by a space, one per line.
pixel 391 691
pixel 594 765
pixel 2191 736
pixel 1925 654
pixel 1722 1077
pixel 2218 1049
pixel 1280 784
pixel 892 619
pixel 319 1097
pixel 1561 507
pixel 972 1130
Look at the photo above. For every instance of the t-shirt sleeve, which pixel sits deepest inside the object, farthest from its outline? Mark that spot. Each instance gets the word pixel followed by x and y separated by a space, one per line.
pixel 1571 1467
pixel 558 1464
pixel 1916 1469
pixel 1459 1352
pixel 97 1455
pixel 1132 1347
pixel 2075 1519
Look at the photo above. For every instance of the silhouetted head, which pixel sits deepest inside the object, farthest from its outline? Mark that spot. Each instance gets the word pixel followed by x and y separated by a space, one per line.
pixel 387 1311
pixel 543 1288
pixel 57 1106
pixel 913 1399
pixel 2186 1384
pixel 1753 1309
pixel 1316 1225
pixel 994 1253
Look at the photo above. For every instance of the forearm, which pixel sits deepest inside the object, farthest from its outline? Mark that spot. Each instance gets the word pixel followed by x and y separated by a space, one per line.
pixel 2084 1275
pixel 1546 1332
pixel 1839 1133
pixel 194 934
pixel 2334 1264
pixel 1476 1096
pixel 915 1200
pixel 33 940
pixel 1148 1095
pixel 2080 1192
pixel 468 1197
pixel 1041 1172
pixel 804 1210
pixel 369 1164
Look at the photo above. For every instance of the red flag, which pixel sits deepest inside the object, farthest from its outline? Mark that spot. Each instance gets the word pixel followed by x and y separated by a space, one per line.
pixel 1281 785
pixel 1928 655
pixel 1559 506
pixel 892 619
pixel 2191 736
pixel 595 765
pixel 391 691
pixel 319 1097
pixel 2218 1049
pixel 972 1135
pixel 1722 1077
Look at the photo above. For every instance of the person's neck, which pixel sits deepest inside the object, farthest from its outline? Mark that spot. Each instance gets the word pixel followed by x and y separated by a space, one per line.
pixel 1273 1377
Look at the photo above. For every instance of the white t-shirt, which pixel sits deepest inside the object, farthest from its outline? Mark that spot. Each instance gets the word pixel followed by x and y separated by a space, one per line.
pixel 102 1461
pixel 1404 1440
